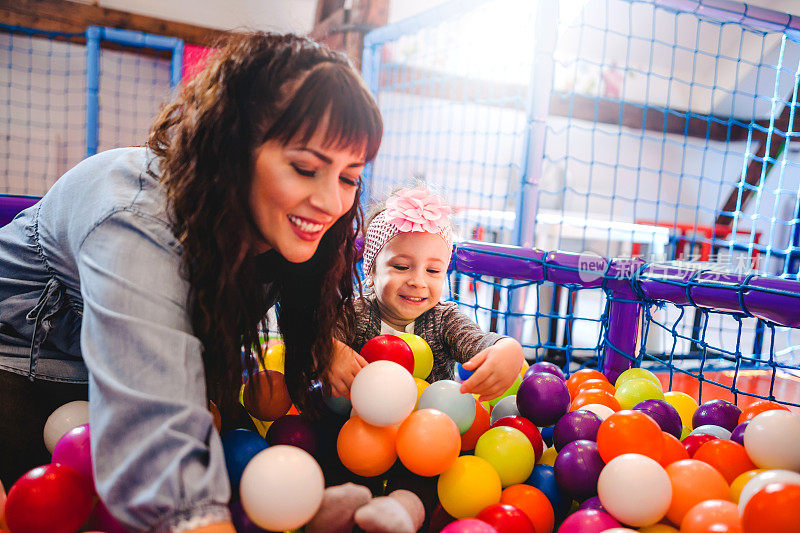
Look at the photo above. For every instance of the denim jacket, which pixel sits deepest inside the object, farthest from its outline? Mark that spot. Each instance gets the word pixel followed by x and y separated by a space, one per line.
pixel 90 279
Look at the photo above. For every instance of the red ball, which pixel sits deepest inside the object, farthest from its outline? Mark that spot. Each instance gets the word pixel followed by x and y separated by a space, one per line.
pixel 528 428
pixel 506 519
pixel 773 509
pixel 389 348
pixel 53 498
pixel 692 443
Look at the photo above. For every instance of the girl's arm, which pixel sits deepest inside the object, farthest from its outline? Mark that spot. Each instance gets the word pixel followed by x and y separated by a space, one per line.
pixel 494 369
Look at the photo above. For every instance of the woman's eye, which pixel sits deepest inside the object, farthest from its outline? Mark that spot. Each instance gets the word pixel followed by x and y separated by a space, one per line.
pixel 349 181
pixel 304 172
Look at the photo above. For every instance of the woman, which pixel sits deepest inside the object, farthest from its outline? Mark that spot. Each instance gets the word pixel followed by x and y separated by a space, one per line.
pixel 151 267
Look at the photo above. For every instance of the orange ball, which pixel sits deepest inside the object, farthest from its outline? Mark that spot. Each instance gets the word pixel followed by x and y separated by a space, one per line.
pixel 673 450
pixel 428 442
pixel 366 450
pixel 479 426
pixel 591 396
pixel 579 377
pixel 533 503
pixel 266 396
pixel 729 457
pixel 629 432
pixel 773 509
pixel 594 383
pixel 759 406
pixel 693 482
pixel 712 515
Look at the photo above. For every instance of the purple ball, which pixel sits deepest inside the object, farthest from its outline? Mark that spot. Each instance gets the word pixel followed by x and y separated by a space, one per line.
pixel 664 414
pixel 542 398
pixel 242 522
pixel 578 467
pixel 717 413
pixel 74 450
pixel 545 366
pixel 293 430
pixel 577 425
pixel 592 503
pixel 737 435
pixel 588 521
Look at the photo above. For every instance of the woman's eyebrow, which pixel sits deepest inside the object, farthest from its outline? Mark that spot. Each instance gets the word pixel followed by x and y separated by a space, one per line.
pixel 322 157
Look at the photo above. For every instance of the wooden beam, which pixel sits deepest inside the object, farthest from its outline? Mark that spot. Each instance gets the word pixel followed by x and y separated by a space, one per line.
pixel 67 16
pixel 343 29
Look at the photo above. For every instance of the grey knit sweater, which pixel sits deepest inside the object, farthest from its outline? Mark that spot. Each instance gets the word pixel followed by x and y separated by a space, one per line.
pixel 451 334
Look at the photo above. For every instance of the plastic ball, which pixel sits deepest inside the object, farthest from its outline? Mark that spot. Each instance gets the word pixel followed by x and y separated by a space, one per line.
pixel 543 478
pixel 2 506
pixel 664 414
pixel 275 358
pixel 758 407
pixel 762 479
pixel 527 427
pixel 578 467
pixel 637 373
pixel 421 351
pixel 242 522
pixel 101 519
pixel 692 443
pixel 239 447
pixel 389 348
pixel 506 519
pixel 592 397
pixel 728 457
pixel 636 390
pixel 68 416
pixel 693 482
pixel 741 480
pixel 772 438
pixel 548 456
pixel 596 384
pixel 543 398
pixel 479 426
pixel 591 503
pixel 635 490
pixel 576 378
pixel 428 442
pixel 469 525
pixel 470 485
pixel 737 435
pixel 533 503
pixel 716 413
pixel 658 528
pixel 282 488
pixel 366 450
pixel 509 451
pixel 461 374
pixel 421 386
pixel 511 391
pixel 266 396
pixel 74 450
pixel 603 411
pixel 505 407
pixel 629 432
pixel 684 404
pixel 293 430
pixel 338 404
pixel 772 509
pixel 588 521
pixel 712 515
pixel 577 425
pixel 52 498
pixel 545 366
pixel 383 393
pixel 673 450
pixel 710 429
pixel 446 396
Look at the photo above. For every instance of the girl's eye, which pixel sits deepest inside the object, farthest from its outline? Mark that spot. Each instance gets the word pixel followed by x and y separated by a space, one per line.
pixel 432 271
pixel 304 172
pixel 400 267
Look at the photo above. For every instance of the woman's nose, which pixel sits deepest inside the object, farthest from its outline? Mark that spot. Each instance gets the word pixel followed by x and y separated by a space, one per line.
pixel 326 196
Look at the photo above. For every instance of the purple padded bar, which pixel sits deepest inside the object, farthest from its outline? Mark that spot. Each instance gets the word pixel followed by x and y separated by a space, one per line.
pixel 10 206
pixel 623 336
pixel 482 258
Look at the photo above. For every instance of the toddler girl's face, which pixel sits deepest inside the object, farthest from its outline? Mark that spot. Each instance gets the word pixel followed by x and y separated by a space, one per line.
pixel 409 275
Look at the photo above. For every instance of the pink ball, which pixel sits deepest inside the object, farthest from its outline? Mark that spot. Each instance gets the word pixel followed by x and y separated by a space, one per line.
pixel 588 521
pixel 74 451
pixel 469 525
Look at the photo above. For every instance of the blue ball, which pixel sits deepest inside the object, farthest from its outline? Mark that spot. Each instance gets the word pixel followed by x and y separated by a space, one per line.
pixel 543 478
pixel 240 445
pixel 547 435
pixel 462 374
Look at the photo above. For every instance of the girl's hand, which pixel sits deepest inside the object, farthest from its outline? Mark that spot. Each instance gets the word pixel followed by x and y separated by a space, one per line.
pixel 344 367
pixel 494 369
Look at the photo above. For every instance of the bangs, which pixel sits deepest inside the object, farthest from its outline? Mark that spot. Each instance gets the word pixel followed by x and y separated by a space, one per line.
pixel 332 92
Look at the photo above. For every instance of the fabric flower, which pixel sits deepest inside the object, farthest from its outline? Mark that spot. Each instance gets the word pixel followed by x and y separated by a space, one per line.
pixel 417 210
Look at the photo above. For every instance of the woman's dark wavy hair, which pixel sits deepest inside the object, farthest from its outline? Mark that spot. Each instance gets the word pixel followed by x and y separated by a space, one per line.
pixel 260 87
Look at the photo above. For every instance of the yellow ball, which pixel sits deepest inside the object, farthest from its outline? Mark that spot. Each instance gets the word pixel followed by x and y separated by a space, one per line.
pixel 634 373
pixel 525 367
pixel 632 391
pixel 685 432
pixel 423 356
pixel 741 480
pixel 684 404
pixel 658 528
pixel 421 386
pixel 468 486
pixel 509 451
pixel 549 456
pixel 274 358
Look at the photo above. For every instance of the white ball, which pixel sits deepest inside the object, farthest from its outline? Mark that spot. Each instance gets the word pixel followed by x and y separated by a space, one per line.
pixel 505 407
pixel 281 488
pixel 772 440
pixel 603 411
pixel 759 481
pixel 67 417
pixel 383 393
pixel 710 429
pixel 635 489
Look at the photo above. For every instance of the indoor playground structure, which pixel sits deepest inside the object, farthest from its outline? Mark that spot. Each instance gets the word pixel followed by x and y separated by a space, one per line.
pixel 626 187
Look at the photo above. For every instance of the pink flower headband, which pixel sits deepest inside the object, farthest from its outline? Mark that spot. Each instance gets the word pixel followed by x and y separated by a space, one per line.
pixel 408 210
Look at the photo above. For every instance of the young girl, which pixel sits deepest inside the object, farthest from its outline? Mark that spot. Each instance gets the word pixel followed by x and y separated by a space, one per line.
pixel 407 250
pixel 145 270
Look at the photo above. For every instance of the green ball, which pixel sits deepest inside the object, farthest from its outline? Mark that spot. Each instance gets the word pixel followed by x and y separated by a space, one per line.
pixel 636 390
pixel 509 451
pixel 634 373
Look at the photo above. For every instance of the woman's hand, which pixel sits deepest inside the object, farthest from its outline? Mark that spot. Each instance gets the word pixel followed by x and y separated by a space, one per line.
pixel 344 367
pixel 494 369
